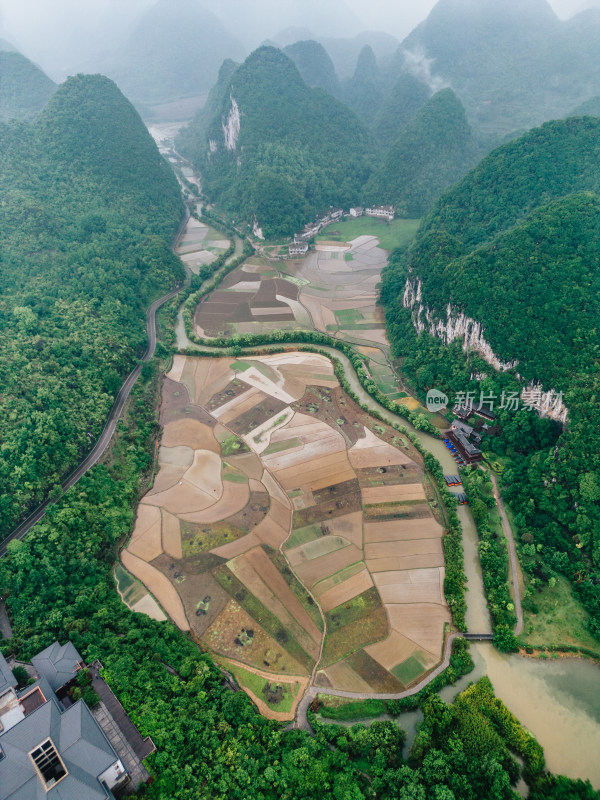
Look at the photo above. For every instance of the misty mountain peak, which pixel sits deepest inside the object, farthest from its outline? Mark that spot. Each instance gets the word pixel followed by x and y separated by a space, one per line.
pixel 367 66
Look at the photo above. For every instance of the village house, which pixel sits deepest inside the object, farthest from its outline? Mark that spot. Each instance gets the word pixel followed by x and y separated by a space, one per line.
pixel 466 449
pixel 383 212
pixel 298 248
pixel 458 425
pixel 483 410
pixel 357 212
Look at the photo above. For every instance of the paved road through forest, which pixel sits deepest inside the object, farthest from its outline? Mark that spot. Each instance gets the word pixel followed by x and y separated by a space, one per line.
pixel 115 413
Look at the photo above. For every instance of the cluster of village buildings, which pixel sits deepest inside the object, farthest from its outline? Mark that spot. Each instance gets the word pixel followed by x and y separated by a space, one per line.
pixel 464 438
pixel 299 246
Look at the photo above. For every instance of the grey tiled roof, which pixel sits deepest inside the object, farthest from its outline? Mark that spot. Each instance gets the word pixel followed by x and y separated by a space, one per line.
pixel 7 679
pixel 57 663
pixel 83 748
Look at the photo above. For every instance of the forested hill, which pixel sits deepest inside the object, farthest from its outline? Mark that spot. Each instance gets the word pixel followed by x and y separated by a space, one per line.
pixel 24 88
pixel 433 151
pixel 399 107
pixel 515 246
pixel 514 64
pixel 315 65
pixel 87 207
pixel 101 132
pixel 278 151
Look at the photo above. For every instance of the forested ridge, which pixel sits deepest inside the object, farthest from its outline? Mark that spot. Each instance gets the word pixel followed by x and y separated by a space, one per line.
pixel 291 153
pixel 516 246
pixel 434 150
pixel 87 210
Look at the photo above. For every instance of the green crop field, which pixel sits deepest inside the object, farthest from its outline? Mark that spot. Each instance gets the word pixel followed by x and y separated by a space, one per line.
pixel 391 235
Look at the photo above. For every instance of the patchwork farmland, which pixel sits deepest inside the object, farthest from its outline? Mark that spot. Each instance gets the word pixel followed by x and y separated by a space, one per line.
pixel 332 289
pixel 289 532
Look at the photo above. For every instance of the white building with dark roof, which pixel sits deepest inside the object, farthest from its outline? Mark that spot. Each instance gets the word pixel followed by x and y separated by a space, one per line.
pixel 298 248
pixel 383 212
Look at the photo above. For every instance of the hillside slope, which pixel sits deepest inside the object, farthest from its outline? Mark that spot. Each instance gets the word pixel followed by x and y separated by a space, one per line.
pixel 24 88
pixel 510 259
pixel 364 92
pixel 398 108
pixel 87 208
pixel 433 151
pixel 315 65
pixel 278 151
pixel 513 64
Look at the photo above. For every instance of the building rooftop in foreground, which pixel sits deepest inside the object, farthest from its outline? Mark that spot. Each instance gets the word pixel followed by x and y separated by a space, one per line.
pixel 47 750
pixel 60 751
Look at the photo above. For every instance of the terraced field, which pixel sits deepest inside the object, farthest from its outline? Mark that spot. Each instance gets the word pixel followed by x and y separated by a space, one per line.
pixel 280 504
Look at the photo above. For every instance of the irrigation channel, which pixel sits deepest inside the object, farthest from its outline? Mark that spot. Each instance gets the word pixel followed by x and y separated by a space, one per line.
pixel 558 700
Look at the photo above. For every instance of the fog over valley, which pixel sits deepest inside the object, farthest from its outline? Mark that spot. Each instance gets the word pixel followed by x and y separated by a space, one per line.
pixel 62 35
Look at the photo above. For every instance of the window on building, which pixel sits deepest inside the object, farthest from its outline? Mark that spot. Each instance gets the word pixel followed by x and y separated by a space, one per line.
pixel 48 763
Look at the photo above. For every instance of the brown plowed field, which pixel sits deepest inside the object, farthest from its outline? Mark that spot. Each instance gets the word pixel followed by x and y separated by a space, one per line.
pixel 234 498
pixel 401 529
pixel 405 562
pixel 413 547
pixel 349 526
pixel 146 540
pixel 312 571
pixel 372 671
pixel 393 650
pixel 171 535
pixel 421 622
pixel 343 677
pixel 393 494
pixel 214 521
pixel 346 591
pixel 158 585
pixel 190 433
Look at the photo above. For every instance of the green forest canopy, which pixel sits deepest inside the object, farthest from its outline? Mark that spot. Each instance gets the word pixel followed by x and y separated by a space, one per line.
pixel 87 208
pixel 434 150
pixel 24 88
pixel 516 246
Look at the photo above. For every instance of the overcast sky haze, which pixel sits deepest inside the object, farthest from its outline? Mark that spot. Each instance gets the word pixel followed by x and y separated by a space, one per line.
pixel 49 31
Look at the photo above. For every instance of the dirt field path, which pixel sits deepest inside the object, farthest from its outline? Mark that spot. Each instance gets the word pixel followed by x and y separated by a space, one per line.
pixel 302 722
